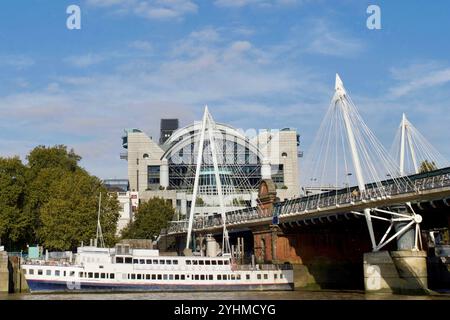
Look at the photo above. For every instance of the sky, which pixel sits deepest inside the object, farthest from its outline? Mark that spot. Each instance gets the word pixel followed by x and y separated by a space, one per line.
pixel 257 64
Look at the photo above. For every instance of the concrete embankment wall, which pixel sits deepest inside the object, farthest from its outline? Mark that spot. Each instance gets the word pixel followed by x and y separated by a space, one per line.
pixel 4 272
pixel 11 276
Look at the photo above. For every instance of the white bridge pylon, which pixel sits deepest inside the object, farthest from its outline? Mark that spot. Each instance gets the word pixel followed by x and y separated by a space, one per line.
pixel 208 132
pixel 346 153
pixel 413 152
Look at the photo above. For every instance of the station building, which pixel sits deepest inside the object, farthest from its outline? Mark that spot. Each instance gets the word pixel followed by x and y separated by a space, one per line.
pixel 166 167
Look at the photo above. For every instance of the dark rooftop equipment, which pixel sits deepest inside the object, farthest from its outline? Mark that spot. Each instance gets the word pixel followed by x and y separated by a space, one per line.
pixel 168 126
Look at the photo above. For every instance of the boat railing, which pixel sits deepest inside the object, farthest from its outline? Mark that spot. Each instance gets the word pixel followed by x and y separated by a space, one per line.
pixel 263 267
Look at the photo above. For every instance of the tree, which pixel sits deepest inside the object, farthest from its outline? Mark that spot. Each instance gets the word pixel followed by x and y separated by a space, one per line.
pixel 70 215
pixel 151 217
pixel 13 224
pixel 52 201
pixel 427 166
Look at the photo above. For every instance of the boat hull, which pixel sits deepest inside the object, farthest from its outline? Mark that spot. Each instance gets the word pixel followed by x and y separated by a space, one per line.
pixel 46 286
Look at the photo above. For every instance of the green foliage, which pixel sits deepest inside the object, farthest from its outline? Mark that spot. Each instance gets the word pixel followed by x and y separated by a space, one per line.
pixel 151 217
pixel 427 166
pixel 52 201
pixel 13 223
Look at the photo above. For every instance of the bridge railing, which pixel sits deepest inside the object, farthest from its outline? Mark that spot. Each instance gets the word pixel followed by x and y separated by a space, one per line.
pixel 420 182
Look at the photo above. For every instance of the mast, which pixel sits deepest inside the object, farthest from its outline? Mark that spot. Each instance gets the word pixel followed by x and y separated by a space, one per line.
pixel 99 234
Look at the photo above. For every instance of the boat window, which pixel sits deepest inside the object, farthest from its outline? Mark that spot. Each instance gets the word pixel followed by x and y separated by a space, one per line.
pixel 136 261
pixel 207 262
pixel 194 262
pixel 90 275
pixel 142 261
pixel 155 261
pixel 196 277
pixel 266 276
pixel 226 262
pixel 170 276
pixel 128 260
pixel 175 261
pixel 201 262
pixel 219 277
pixel 258 277
pixel 159 277
pixel 153 276
pixel 188 262
pixel 161 261
pixel 202 277
pixel 80 274
pixel 281 276
pixel 233 277
pixel 168 261
pixel 111 275
pixel 182 277
pixel 96 275
pixel 103 275
pixel 125 276
pixel 210 277
pixel 139 277
pixel 247 276
pixel 64 273
pixel 31 271
pixel 224 277
pixel 119 260
pixel 275 276
pixel 238 277
pixel 165 277
pixel 72 273
pixel 40 272
pixel 24 271
pixel 214 262
pixel 177 277
pixel 149 261
pixel 57 273
pixel 147 277
pixel 48 272
pixel 220 262
pixel 133 276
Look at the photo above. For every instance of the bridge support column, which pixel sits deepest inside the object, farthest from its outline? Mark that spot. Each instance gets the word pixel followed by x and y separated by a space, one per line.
pixel 406 240
pixel 401 272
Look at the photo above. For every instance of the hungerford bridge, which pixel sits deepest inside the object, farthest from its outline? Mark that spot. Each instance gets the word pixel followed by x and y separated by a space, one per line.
pixel 364 235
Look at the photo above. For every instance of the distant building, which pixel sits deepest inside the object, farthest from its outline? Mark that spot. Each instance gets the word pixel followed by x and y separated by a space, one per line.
pixel 128 201
pixel 156 169
pixel 168 126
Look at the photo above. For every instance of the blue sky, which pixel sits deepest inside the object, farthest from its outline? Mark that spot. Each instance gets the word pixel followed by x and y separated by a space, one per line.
pixel 256 63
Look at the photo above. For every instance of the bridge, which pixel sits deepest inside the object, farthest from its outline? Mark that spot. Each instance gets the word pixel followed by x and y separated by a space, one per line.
pixel 383 188
pixel 429 186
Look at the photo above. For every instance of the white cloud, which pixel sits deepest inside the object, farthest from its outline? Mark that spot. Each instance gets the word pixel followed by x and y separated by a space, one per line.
pixel 149 9
pixel 18 62
pixel 323 39
pixel 419 76
pixel 260 3
pixel 85 60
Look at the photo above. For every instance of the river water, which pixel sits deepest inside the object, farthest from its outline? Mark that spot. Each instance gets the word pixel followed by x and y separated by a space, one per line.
pixel 265 295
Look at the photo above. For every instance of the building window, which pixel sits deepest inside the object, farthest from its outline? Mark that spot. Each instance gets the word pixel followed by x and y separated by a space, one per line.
pixel 153 175
pixel 278 174
pixel 284 155
pixel 145 155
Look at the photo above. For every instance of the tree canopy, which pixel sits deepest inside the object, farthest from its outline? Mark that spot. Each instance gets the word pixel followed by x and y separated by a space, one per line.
pixel 52 201
pixel 151 217
pixel 427 166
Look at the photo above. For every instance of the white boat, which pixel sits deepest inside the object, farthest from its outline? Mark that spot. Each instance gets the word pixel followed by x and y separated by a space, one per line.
pixel 125 269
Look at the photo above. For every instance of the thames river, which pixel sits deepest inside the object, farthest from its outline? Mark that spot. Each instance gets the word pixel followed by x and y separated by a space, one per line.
pixel 279 295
